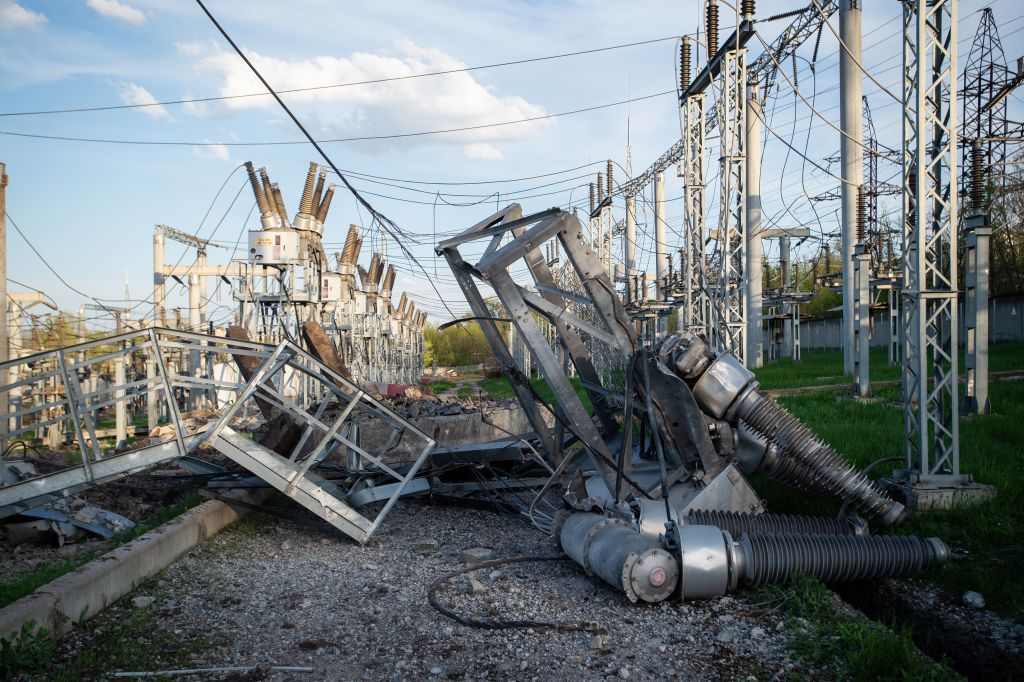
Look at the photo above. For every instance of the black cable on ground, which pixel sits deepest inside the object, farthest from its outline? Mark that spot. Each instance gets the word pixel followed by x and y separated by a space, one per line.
pixel 498 624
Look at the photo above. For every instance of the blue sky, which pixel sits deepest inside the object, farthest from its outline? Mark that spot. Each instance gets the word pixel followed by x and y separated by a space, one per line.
pixel 90 207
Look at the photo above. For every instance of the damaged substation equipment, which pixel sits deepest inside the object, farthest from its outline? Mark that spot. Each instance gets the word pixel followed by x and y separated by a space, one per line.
pixel 653 471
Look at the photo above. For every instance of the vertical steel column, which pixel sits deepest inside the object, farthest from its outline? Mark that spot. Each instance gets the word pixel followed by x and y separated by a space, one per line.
pixel 752 266
pixel 895 329
pixel 733 198
pixel 861 320
pixel 929 296
pixel 696 303
pixel 159 279
pixel 976 259
pixel 629 245
pixel 851 150
pixel 785 284
pixel 660 244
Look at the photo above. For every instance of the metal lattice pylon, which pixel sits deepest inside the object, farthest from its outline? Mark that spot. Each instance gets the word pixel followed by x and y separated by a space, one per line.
pixel 929 292
pixel 731 327
pixel 695 304
pixel 983 76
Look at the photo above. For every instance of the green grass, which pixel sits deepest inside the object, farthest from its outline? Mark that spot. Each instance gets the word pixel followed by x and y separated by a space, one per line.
pixel 440 385
pixel 466 392
pixel 26 583
pixel 851 646
pixel 991 450
pixel 824 367
pixel 132 639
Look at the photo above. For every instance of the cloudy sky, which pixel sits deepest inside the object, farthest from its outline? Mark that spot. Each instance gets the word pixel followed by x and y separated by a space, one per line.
pixel 89 206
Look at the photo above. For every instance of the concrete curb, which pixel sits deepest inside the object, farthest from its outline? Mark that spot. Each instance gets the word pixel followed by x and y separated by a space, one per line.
pixel 84 592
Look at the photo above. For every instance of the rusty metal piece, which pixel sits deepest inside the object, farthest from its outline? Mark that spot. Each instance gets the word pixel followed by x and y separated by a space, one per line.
pixel 320 345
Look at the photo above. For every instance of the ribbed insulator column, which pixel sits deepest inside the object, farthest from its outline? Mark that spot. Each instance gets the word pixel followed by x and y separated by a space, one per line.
pixel 774 558
pixel 823 468
pixel 741 523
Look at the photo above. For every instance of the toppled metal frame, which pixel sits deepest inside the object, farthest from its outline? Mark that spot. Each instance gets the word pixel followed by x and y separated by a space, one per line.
pixel 551 303
pixel 59 391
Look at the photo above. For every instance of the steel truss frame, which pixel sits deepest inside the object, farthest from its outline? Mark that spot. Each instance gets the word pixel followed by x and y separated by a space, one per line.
pixel 696 306
pixel 288 380
pixel 929 294
pixel 729 331
pixel 551 304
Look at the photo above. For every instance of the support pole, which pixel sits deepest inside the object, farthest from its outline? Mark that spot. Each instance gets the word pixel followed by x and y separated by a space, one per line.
pixel 862 321
pixel 159 279
pixel 785 284
pixel 629 244
pixel 661 247
pixel 753 266
pixel 851 153
pixel 977 243
pixel 4 341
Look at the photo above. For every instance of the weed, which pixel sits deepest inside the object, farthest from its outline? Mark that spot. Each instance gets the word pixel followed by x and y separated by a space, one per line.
pixel 29 651
pixel 29 581
pixel 852 646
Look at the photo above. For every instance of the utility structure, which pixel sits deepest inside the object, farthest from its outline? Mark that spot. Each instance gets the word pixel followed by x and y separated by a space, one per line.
pixel 698 278
pixel 977 241
pixel 984 108
pixel 932 475
pixel 285 282
pixel 851 150
pixel 696 304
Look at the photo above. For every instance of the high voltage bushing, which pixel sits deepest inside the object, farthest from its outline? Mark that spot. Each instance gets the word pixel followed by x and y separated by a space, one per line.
pixel 862 209
pixel 711 563
pixel 600 189
pixel 712 28
pixel 747 9
pixel 612 550
pixel 318 192
pixel 725 389
pixel 684 63
pixel 266 214
pixel 977 176
pixel 739 523
pixel 305 219
pixel 325 205
pixel 591 197
pixel 608 178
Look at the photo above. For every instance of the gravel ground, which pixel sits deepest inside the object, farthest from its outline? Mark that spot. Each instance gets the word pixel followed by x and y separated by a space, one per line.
pixel 289 594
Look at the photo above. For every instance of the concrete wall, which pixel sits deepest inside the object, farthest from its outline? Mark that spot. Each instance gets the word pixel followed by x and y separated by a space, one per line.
pixel 1006 323
pixel 455 429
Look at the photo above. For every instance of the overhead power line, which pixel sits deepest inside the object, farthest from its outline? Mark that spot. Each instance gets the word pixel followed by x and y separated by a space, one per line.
pixel 362 138
pixel 374 81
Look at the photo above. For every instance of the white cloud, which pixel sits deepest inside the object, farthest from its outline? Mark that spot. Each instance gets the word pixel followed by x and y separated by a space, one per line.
pixel 112 9
pixel 454 100
pixel 212 151
pixel 136 94
pixel 13 15
pixel 191 49
pixel 482 150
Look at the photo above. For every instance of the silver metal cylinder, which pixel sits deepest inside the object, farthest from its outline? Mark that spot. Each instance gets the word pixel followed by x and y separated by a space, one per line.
pixel 619 555
pixel 714 564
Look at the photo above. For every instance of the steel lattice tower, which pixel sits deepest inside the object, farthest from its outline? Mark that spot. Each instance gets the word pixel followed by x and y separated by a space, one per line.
pixel 929 294
pixel 983 76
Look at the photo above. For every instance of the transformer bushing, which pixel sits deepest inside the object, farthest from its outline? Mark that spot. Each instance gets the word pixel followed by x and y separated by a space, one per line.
pixel 711 563
pixel 725 389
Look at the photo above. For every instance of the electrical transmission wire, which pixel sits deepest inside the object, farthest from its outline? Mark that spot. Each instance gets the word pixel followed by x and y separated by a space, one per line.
pixel 330 86
pixel 357 138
